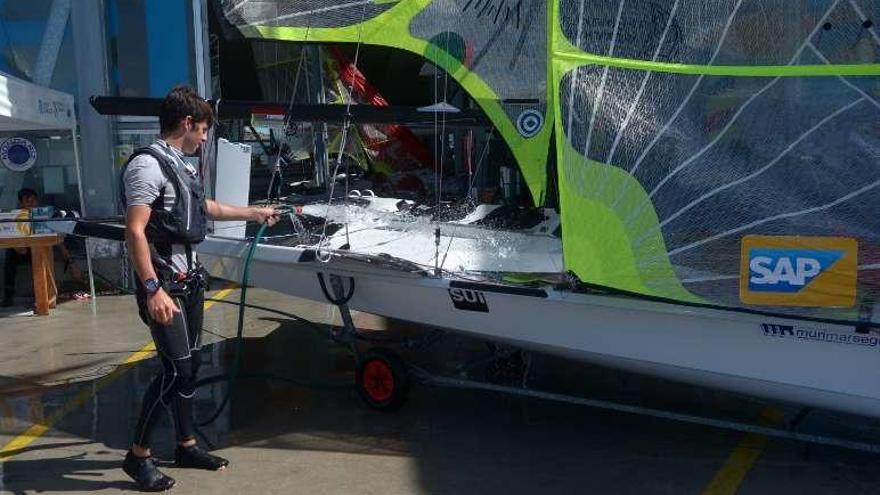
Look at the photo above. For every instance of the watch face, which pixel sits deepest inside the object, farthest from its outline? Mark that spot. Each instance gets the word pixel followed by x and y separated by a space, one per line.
pixel 151 285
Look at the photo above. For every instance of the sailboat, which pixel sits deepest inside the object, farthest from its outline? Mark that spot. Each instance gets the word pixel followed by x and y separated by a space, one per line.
pixel 705 175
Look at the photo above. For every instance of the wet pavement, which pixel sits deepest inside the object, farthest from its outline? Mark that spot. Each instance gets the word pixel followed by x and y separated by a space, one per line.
pixel 63 371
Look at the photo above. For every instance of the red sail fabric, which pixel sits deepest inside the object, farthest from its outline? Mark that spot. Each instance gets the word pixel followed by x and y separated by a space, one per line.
pixel 389 143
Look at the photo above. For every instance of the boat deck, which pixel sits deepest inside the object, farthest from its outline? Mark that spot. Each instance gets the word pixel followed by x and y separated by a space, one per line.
pixel 67 410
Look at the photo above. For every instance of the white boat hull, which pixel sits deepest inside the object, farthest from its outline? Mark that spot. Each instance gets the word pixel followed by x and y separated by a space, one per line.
pixel 817 364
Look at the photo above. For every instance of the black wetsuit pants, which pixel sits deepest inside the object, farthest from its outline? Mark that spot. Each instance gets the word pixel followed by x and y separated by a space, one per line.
pixel 178 346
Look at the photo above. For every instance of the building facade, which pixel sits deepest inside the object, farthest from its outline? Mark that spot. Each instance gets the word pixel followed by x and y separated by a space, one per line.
pixel 138 48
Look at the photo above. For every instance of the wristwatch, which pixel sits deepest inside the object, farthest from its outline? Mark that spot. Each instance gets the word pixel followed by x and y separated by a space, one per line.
pixel 151 286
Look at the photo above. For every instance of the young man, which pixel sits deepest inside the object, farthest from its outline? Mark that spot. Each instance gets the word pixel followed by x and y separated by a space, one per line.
pixel 166 215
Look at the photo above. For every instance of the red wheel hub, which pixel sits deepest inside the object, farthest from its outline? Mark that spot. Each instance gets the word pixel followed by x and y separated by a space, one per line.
pixel 378 380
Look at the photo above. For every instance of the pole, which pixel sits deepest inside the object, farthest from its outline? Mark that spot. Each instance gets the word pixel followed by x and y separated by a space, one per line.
pixel 82 207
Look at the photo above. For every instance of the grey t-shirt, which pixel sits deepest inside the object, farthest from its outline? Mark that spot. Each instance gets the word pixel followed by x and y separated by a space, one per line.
pixel 144 181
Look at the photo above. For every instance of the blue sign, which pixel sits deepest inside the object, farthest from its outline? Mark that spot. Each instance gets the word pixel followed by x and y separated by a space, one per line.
pixel 18 154
pixel 818 272
pixel 788 270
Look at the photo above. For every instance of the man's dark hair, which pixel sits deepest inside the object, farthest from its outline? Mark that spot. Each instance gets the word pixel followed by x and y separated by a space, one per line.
pixel 26 191
pixel 180 102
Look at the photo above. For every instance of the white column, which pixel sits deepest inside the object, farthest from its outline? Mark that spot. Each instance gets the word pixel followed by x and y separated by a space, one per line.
pixel 51 44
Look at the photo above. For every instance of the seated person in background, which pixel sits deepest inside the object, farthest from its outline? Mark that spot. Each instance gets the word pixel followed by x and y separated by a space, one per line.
pixel 28 198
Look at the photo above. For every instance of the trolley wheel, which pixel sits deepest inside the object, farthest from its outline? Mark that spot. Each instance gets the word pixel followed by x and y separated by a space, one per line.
pixel 382 380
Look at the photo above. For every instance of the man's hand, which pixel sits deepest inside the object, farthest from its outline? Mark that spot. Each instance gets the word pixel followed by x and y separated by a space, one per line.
pixel 161 307
pixel 268 216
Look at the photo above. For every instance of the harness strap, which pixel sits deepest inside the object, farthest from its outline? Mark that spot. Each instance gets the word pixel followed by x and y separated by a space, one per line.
pixel 189 256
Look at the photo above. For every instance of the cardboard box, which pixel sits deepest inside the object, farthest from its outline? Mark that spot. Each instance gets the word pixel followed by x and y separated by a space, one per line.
pixel 14 229
pixel 21 229
pixel 45 213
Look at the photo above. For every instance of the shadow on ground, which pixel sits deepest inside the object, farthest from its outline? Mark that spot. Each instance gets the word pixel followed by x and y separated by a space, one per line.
pixel 459 441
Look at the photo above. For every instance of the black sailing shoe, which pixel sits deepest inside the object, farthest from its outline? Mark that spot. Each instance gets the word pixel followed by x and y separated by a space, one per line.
pixel 145 474
pixel 198 458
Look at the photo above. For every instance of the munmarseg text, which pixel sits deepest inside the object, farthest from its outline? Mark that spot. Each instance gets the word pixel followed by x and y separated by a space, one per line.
pixel 842 338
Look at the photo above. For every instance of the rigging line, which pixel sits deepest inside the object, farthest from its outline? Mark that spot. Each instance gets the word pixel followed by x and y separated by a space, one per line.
pixel 781 216
pixel 287 122
pixel 347 123
pixel 448 245
pixel 443 129
pixel 844 80
pixel 601 89
pixel 439 183
pixel 405 232
pixel 403 235
pixel 434 119
pixel 750 176
pixel 864 18
pixel 700 78
pixel 342 141
pixel 316 11
pixel 288 116
pixel 468 155
pixel 638 97
pixel 483 154
pixel 393 224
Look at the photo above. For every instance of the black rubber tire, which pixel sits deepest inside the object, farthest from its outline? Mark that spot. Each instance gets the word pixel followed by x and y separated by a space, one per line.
pixel 380 365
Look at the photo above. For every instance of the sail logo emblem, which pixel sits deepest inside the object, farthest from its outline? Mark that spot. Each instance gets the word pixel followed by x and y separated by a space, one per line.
pixel 468 300
pixel 529 123
pixel 798 271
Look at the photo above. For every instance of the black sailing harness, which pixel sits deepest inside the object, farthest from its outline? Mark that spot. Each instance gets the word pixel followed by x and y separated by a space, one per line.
pixel 186 223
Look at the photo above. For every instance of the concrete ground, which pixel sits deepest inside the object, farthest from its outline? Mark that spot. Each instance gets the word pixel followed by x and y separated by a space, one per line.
pixel 68 407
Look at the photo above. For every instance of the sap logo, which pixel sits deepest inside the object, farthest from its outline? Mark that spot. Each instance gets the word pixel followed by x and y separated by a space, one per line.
pixel 787 270
pixel 469 300
pixel 805 271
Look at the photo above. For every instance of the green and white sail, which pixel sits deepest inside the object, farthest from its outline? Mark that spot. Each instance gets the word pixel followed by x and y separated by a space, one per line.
pixel 686 125
pixel 683 127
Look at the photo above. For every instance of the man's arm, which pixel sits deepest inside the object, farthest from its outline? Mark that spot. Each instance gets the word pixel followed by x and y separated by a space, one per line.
pixel 223 211
pixel 159 305
pixel 136 219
